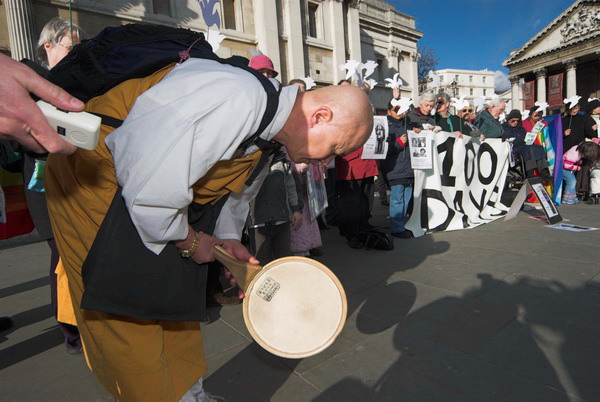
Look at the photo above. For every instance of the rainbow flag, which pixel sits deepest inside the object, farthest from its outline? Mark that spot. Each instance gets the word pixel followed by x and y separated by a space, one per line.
pixel 552 140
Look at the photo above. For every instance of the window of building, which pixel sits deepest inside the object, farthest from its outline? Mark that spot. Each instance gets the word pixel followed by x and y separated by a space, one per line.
pixel 379 74
pixel 470 78
pixel 471 91
pixel 229 14
pixel 161 7
pixel 484 92
pixel 484 79
pixel 313 20
pixel 456 78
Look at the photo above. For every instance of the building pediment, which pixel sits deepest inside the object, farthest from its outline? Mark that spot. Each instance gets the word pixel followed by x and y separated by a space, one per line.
pixel 577 24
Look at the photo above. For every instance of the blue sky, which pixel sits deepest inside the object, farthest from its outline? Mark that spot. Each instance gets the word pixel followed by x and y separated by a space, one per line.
pixel 474 35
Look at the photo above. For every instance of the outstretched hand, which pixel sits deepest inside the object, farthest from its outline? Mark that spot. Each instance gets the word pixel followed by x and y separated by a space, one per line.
pixel 20 118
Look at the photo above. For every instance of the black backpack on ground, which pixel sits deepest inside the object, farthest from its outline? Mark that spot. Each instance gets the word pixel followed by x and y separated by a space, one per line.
pixel 374 239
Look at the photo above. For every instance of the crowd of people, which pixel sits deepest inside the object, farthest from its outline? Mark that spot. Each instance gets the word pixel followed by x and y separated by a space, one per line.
pixel 169 199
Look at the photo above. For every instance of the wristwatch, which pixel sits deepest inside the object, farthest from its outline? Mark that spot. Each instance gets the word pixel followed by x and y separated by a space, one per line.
pixel 190 251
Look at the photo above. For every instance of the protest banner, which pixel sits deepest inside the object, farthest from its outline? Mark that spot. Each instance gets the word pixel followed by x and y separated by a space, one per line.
pixel 464 188
pixel 376 146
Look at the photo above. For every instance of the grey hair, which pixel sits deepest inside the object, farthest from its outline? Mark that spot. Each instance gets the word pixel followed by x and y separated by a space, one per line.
pixel 53 32
pixel 444 96
pixel 426 97
pixel 495 102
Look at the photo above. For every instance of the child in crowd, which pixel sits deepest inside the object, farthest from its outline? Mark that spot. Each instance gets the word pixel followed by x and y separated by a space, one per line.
pixel 585 154
pixel 275 206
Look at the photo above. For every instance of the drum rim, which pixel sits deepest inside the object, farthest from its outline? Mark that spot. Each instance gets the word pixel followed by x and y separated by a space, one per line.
pixel 316 350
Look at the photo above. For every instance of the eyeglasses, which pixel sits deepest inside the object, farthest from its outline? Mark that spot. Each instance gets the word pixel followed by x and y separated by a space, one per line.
pixel 69 48
pixel 466 110
pixel 513 121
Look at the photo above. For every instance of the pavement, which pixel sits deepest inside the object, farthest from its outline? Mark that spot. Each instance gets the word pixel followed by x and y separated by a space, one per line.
pixel 506 311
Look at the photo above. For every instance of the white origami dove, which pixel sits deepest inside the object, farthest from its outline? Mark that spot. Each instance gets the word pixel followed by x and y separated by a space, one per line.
pixel 593 99
pixel 395 82
pixel 351 66
pixel 369 66
pixel 371 83
pixel 309 82
pixel 403 103
pixel 435 80
pixel 460 103
pixel 541 105
pixel 478 103
pixel 255 52
pixel 525 115
pixel 572 101
pixel 215 38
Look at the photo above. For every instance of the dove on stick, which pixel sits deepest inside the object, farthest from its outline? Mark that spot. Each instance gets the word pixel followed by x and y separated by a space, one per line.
pixel 350 66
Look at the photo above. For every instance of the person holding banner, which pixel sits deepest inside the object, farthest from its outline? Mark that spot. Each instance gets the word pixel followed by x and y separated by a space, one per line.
pixel 443 118
pixel 487 120
pixel 398 171
pixel 421 118
pixel 535 114
pixel 533 155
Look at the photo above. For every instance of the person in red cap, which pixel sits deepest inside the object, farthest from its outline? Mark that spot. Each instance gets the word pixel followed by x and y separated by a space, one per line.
pixel 264 65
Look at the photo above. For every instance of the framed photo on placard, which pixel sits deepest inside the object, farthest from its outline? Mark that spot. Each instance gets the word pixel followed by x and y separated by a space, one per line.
pixel 545 201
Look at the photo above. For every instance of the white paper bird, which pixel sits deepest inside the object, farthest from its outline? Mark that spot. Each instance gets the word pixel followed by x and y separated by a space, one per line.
pixel 395 82
pixel 541 105
pixel 525 114
pixel 479 104
pixel 255 52
pixel 572 101
pixel 371 83
pixel 309 82
pixel 215 38
pixel 403 103
pixel 369 68
pixel 351 66
pixel 435 80
pixel 593 99
pixel 459 103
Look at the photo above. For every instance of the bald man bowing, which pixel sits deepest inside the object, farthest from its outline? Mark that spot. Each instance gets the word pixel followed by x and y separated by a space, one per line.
pixel 143 211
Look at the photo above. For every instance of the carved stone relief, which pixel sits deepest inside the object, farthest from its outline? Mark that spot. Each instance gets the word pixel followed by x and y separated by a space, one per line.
pixel 582 23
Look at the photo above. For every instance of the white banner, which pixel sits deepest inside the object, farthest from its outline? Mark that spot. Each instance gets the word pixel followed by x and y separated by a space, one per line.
pixel 464 187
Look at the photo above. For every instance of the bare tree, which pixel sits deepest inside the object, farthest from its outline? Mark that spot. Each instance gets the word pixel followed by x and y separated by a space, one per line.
pixel 427 61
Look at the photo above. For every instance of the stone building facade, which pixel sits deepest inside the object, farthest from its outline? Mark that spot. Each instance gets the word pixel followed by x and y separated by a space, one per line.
pixel 302 37
pixel 470 83
pixel 562 60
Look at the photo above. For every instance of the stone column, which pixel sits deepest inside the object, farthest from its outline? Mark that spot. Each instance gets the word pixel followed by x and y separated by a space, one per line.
pixel 267 33
pixel 540 74
pixel 354 31
pixel 414 76
pixel 21 34
pixel 514 93
pixel 336 13
pixel 295 43
pixel 571 66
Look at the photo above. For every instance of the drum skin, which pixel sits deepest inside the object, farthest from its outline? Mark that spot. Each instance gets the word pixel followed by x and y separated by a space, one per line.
pixel 295 307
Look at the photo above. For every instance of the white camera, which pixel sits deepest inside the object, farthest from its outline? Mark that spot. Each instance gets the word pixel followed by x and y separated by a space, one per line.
pixel 78 128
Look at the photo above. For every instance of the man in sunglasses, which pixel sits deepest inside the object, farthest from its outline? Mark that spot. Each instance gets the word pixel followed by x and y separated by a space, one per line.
pixel 464 114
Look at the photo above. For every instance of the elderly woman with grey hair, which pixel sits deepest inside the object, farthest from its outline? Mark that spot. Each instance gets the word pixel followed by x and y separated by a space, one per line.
pixel 56 41
pixel 420 118
pixel 487 120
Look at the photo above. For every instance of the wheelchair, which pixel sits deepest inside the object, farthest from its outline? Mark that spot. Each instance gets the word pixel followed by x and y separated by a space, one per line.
pixel 516 175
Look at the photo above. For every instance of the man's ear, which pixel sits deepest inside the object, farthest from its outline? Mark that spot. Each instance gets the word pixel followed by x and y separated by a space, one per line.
pixel 48 45
pixel 321 115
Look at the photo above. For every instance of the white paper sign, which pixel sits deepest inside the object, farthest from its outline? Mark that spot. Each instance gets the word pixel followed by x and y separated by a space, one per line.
pixel 376 146
pixel 464 188
pixel 530 137
pixel 420 148
pixel 317 194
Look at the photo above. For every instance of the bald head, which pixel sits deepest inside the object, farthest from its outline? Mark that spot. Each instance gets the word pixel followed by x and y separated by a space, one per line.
pixel 330 121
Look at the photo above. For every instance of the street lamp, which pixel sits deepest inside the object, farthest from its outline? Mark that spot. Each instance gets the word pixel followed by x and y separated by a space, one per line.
pixel 454 87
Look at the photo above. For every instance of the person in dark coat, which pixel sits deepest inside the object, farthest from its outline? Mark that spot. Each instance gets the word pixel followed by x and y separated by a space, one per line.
pixel 443 118
pixel 575 129
pixel 398 172
pixel 487 120
pixel 533 155
pixel 593 107
pixel 420 118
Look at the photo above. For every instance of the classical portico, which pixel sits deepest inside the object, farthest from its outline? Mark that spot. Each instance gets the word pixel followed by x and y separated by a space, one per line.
pixel 562 60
